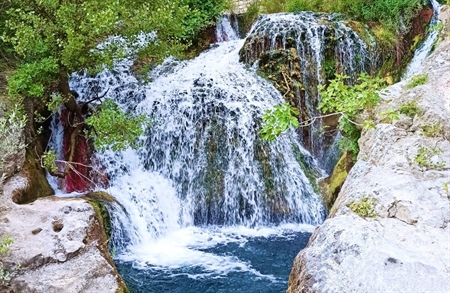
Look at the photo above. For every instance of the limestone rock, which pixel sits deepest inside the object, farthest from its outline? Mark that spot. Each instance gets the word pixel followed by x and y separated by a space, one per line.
pixel 59 245
pixel 406 248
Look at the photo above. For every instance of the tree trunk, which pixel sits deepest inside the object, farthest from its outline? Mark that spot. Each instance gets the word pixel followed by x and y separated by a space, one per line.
pixel 37 185
pixel 75 145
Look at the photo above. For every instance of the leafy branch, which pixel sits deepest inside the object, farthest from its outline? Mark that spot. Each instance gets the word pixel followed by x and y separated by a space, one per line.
pixel 338 98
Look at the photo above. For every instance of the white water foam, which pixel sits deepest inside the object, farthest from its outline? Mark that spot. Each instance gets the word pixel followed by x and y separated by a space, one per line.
pixel 184 248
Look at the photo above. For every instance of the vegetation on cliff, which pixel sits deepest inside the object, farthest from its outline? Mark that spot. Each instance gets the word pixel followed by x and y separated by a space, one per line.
pixel 389 23
pixel 391 14
pixel 43 42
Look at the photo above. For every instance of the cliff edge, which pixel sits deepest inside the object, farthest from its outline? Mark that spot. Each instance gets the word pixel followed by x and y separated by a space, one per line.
pixel 388 230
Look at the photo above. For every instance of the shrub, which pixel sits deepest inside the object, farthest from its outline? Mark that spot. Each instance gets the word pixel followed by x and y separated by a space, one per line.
pixel 424 158
pixel 114 128
pixel 417 80
pixel 270 6
pixel 5 276
pixel 350 101
pixel 251 14
pixel 278 120
pixel 11 142
pixel 410 109
pixel 364 207
pixel 431 130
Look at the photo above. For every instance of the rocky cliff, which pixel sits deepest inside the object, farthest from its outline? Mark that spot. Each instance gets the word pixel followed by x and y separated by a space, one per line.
pixel 388 230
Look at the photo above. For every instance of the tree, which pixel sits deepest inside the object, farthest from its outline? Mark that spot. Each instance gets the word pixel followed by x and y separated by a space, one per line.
pixel 57 37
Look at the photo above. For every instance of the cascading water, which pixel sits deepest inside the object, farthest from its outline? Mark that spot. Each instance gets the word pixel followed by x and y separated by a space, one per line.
pixel 205 204
pixel 227 28
pixel 324 45
pixel 426 46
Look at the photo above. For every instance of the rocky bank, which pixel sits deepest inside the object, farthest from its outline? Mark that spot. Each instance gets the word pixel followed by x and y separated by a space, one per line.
pixel 59 245
pixel 403 172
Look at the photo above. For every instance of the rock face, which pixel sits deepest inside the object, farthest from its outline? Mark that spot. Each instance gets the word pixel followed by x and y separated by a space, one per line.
pixel 240 6
pixel 59 245
pixel 405 167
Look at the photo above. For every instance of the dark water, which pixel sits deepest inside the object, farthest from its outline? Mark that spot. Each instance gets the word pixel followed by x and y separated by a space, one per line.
pixel 269 261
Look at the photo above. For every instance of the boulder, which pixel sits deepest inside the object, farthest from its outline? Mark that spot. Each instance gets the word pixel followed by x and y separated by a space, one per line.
pixel 59 245
pixel 404 169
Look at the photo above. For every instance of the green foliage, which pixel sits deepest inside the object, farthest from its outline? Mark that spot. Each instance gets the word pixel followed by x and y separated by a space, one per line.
pixel 270 6
pixel 389 116
pixel 339 98
pixel 296 5
pixel 278 120
pixel 417 80
pixel 431 130
pixel 429 158
pixel 251 14
pixel 349 101
pixel 31 79
pixel 202 14
pixel 48 161
pixel 11 141
pixel 114 128
pixel 391 14
pixel 446 187
pixel 56 100
pixel 55 38
pixel 364 207
pixel 410 109
pixel 5 275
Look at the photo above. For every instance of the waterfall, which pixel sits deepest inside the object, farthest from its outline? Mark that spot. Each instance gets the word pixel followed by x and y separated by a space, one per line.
pixel 324 45
pixel 426 46
pixel 201 162
pixel 226 28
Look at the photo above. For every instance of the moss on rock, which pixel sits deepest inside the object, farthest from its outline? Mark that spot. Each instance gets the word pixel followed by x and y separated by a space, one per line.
pixel 331 185
pixel 98 234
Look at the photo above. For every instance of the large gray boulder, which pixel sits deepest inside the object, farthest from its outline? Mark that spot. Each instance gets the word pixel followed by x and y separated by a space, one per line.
pixel 59 245
pixel 403 169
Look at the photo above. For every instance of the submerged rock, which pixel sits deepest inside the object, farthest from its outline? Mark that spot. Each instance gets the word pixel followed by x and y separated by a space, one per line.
pixel 404 166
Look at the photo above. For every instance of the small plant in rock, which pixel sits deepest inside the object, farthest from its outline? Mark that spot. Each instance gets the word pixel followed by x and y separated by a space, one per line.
pixel 410 109
pixel 389 116
pixel 417 80
pixel 5 275
pixel 425 158
pixel 431 130
pixel 364 207
pixel 4 245
pixel 447 187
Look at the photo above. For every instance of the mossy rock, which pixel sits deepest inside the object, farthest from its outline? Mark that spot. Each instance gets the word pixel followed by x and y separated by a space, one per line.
pixel 37 184
pixel 99 233
pixel 331 186
pixel 97 200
